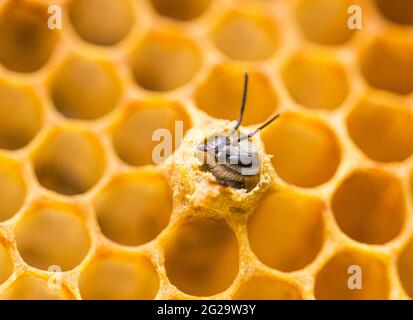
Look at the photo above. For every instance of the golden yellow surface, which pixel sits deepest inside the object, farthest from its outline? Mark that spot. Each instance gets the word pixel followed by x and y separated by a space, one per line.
pixel 79 190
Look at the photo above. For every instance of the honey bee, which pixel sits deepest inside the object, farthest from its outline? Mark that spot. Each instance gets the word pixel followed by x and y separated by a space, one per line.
pixel 234 160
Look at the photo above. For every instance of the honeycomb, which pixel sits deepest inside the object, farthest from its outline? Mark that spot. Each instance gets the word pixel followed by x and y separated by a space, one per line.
pixel 87 214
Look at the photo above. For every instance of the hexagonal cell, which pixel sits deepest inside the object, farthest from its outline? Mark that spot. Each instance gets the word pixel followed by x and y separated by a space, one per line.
pixel 12 188
pixel 201 256
pixel 101 22
pixel 266 288
pixel 57 169
pixel 6 264
pixel 52 234
pixel 387 63
pixel 85 89
pixel 165 60
pixel 181 9
pixel 336 279
pixel 29 287
pixel 398 11
pixel 306 152
pixel 286 230
pixel 21 114
pixel 369 206
pixel 315 81
pixel 134 207
pixel 26 43
pixel 376 119
pixel 246 35
pixel 220 94
pixel 405 266
pixel 119 277
pixel 324 21
pixel 133 132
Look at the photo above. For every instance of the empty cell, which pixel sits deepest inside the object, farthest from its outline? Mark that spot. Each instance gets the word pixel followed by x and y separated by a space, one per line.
pixel 12 188
pixel 181 9
pixel 134 208
pixel 6 264
pixel 387 63
pixel 52 234
pixel 165 60
pixel 69 162
pixel 286 230
pixel 29 287
pixel 21 115
pixel 405 267
pixel 315 81
pixel 26 42
pixel 305 151
pixel 220 94
pixel 352 275
pixel 119 277
pixel 134 134
pixel 246 35
pixel 382 129
pixel 398 11
pixel 101 22
pixel 266 288
pixel 85 89
pixel 201 256
pixel 369 206
pixel 324 21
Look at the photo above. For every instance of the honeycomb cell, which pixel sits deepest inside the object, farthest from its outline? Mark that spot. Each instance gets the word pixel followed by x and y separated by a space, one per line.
pixel 52 234
pixel 33 288
pixel 12 188
pixel 26 42
pixel 324 21
pixel 306 152
pixel 85 89
pixel 315 81
pixel 387 64
pixel 6 264
pixel 134 208
pixel 246 35
pixel 369 206
pixel 183 10
pixel 405 266
pixel 398 11
pixel 59 170
pixel 21 115
pixel 119 277
pixel 201 256
pixel 220 94
pixel 134 135
pixel 102 22
pixel 338 280
pixel 265 288
pixel 391 123
pixel 286 230
pixel 165 61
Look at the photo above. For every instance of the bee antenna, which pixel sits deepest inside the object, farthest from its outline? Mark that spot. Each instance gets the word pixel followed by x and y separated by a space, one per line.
pixel 244 100
pixel 266 123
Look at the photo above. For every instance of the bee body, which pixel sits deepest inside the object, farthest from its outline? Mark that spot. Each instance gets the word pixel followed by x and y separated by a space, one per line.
pixel 228 175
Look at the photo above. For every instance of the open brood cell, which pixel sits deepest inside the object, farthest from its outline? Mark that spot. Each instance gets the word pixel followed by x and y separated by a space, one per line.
pixel 80 189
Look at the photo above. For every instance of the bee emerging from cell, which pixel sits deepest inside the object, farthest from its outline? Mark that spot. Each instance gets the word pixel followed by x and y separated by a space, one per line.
pixel 233 158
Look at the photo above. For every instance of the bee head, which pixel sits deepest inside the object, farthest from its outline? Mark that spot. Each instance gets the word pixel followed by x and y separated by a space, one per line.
pixel 236 153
